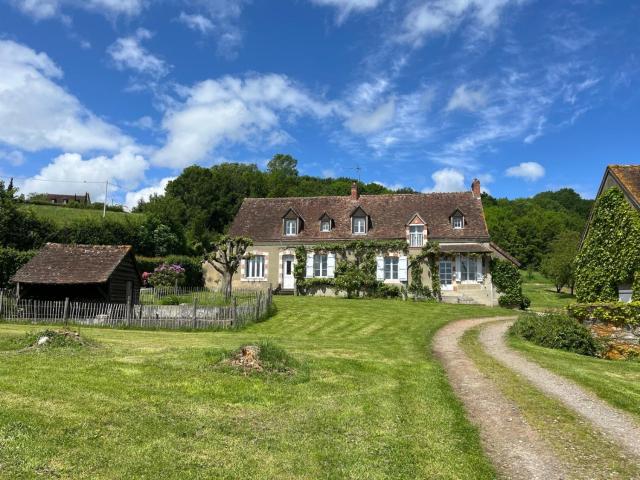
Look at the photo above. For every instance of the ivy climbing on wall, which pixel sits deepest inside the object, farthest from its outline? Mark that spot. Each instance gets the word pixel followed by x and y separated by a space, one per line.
pixel 610 252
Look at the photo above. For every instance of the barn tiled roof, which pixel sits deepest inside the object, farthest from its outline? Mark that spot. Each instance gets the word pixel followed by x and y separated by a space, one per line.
pixel 261 218
pixel 72 264
pixel 629 177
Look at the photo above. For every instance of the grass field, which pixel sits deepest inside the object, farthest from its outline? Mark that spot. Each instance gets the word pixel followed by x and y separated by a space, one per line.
pixel 373 403
pixel 543 294
pixel 587 452
pixel 617 382
pixel 62 215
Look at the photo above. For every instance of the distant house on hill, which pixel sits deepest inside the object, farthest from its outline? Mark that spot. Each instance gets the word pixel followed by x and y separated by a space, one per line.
pixel 626 178
pixel 63 199
pixel 106 273
pixel 455 220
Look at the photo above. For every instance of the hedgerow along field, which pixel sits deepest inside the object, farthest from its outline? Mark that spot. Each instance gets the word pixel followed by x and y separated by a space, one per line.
pixel 372 402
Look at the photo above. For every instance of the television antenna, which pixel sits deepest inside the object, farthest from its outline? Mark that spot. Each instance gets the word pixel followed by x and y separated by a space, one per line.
pixel 358 169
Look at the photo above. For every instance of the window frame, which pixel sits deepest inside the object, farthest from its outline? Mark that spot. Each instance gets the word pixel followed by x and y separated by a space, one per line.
pixel 322 225
pixel 391 266
pixel 356 220
pixel 320 262
pixel 454 219
pixel 254 265
pixel 413 235
pixel 290 221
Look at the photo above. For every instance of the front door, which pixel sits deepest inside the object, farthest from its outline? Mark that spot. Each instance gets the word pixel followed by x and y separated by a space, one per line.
pixel 288 281
pixel 446 274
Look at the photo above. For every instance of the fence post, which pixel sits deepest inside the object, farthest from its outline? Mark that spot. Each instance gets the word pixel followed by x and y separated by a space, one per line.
pixel 195 312
pixel 234 310
pixel 65 315
pixel 258 306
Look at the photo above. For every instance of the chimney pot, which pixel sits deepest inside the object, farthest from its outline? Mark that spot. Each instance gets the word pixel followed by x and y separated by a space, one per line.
pixel 475 188
pixel 354 191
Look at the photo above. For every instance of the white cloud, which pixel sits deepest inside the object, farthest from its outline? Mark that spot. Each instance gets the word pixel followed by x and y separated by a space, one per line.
pixel 447 180
pixel 133 198
pixel 372 121
pixel 128 53
pixel 125 170
pixel 44 9
pixel 232 111
pixel 328 173
pixel 530 171
pixel 431 17
pixel 465 98
pixel 37 113
pixel 196 22
pixel 14 158
pixel 346 7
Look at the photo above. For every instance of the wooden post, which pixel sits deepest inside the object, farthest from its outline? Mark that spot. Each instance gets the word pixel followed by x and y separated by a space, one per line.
pixel 234 312
pixel 258 306
pixel 195 312
pixel 65 315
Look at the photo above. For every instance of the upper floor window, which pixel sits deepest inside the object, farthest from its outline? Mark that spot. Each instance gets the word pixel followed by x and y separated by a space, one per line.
pixel 359 225
pixel 457 221
pixel 391 268
pixel 254 267
pixel 320 265
pixel 416 235
pixel 325 226
pixel 290 227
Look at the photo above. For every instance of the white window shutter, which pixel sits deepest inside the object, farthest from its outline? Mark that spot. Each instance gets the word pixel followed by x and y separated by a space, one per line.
pixel 458 269
pixel 380 268
pixel 480 272
pixel 310 265
pixel 331 265
pixel 402 269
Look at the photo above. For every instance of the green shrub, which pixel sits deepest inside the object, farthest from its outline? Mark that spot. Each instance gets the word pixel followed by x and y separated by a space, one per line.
pixel 384 290
pixel 194 276
pixel 555 330
pixel 507 279
pixel 617 313
pixel 10 261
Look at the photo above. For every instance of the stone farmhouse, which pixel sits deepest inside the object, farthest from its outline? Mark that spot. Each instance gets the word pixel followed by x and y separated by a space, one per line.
pixel 455 220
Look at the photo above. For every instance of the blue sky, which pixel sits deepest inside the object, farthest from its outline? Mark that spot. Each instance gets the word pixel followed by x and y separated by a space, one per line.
pixel 526 95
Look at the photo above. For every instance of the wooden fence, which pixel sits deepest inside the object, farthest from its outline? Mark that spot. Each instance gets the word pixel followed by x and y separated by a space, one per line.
pixel 195 317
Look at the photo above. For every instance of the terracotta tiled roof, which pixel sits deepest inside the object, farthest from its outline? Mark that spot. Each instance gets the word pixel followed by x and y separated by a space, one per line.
pixel 261 218
pixel 72 264
pixel 629 177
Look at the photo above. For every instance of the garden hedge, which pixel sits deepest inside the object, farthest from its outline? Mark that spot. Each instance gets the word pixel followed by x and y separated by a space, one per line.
pixel 615 313
pixel 194 276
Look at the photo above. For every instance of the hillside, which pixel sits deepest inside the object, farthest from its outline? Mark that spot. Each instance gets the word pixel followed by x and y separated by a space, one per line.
pixel 62 216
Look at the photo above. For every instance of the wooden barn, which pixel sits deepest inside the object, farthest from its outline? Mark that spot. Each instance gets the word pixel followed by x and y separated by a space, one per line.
pixel 106 273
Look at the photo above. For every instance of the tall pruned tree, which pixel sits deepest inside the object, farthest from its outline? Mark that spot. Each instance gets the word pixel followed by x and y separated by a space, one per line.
pixel 559 264
pixel 226 257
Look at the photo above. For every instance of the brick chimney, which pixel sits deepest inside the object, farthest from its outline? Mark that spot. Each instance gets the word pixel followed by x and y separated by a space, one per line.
pixel 354 191
pixel 475 188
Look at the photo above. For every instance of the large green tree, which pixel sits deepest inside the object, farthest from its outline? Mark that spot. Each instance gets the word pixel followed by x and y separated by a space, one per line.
pixel 559 264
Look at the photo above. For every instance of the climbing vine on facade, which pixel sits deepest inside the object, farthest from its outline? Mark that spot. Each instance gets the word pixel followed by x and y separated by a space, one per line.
pixel 610 252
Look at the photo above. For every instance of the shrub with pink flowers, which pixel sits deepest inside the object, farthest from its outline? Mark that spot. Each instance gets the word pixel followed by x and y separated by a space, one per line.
pixel 167 276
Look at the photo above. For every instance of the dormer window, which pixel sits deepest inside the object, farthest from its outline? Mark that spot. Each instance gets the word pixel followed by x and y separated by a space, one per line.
pixel 359 222
pixel 291 226
pixel 326 223
pixel 416 235
pixel 359 225
pixel 457 221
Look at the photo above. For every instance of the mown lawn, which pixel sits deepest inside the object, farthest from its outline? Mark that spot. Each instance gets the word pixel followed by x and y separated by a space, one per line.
pixel 615 381
pixel 373 403
pixel 543 293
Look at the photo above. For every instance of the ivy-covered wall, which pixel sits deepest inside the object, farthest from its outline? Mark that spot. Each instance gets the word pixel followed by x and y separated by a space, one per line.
pixel 610 253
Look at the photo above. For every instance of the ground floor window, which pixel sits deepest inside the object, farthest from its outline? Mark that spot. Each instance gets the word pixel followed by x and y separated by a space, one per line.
pixel 446 272
pixel 320 264
pixel 391 268
pixel 254 267
pixel 468 268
